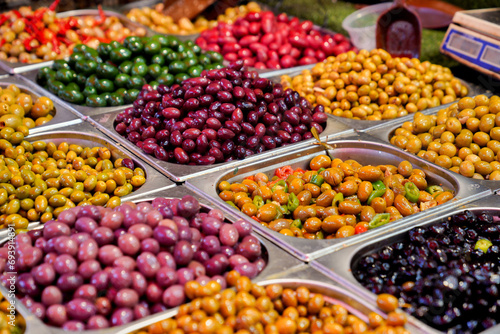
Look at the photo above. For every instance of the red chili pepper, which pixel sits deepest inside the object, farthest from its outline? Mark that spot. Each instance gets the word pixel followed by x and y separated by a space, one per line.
pixel 3 19
pixel 283 172
pixel 27 42
pixel 17 13
pixel 39 14
pixel 55 44
pixel 102 17
pixel 2 42
pixel 54 5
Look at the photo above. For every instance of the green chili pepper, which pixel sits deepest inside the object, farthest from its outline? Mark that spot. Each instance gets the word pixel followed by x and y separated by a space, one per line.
pixel 284 210
pixel 293 202
pixel 317 180
pixel 319 235
pixel 379 219
pixel 412 192
pixel 339 197
pixel 232 204
pixel 378 191
pixel 258 201
pixel 434 189
pixel 320 170
pixel 279 213
pixel 280 183
pixel 296 223
pixel 268 201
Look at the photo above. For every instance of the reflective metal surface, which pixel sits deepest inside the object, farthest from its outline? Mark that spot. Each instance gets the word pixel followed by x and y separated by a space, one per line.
pixel 338 266
pixel 279 263
pixel 179 173
pixel 360 147
pixel 63 116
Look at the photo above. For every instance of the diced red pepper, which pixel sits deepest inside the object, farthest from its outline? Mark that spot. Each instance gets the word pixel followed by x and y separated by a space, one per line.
pixel 17 13
pixel 27 42
pixel 3 19
pixel 251 178
pixel 102 17
pixel 2 42
pixel 283 172
pixel 55 44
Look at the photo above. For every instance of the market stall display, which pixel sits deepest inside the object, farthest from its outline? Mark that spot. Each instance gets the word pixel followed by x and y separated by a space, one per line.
pixel 265 40
pixel 372 85
pixel 114 73
pixel 241 115
pixel 154 19
pixel 143 174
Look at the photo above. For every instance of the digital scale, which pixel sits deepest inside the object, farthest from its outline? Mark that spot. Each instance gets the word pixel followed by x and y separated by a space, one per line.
pixel 474 39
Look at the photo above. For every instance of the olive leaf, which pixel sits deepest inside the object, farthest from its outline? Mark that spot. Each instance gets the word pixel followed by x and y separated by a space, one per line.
pixel 326 146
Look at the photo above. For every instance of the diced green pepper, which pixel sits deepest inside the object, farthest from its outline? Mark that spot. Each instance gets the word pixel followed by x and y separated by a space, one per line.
pixel 284 210
pixel 232 204
pixel 378 191
pixel 281 184
pixel 339 197
pixel 412 192
pixel 319 235
pixel 317 180
pixel 296 223
pixel 258 201
pixel 434 189
pixel 379 219
pixel 293 202
pixel 320 170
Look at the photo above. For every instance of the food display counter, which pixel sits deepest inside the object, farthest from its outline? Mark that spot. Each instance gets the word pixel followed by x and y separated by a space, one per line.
pixel 251 172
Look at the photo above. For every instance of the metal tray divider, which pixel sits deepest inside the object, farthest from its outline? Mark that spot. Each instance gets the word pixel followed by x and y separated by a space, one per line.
pixel 383 134
pixel 63 117
pixel 338 266
pixel 180 173
pixel 279 264
pixel 307 250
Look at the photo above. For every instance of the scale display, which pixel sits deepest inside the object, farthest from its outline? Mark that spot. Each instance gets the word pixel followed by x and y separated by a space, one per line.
pixel 472 39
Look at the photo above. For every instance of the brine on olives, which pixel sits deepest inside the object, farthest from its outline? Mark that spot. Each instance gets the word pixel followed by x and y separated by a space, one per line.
pixel 21 112
pixel 464 138
pixel 371 85
pixel 39 180
pixel 334 198
pixel 164 24
pixel 446 272
pixel 224 114
pixel 273 308
pixel 114 73
pixel 97 267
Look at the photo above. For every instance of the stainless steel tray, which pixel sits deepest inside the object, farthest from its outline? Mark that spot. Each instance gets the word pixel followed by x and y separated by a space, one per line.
pixel 21 67
pixel 360 147
pixel 363 125
pixel 279 264
pixel 338 266
pixel 181 173
pixel 84 134
pixel 385 133
pixel 63 115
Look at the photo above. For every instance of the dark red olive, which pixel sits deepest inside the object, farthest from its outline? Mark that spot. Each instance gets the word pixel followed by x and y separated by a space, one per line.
pixel 319 117
pixel 225 134
pixel 228 147
pixel 318 127
pixel 149 148
pixel 121 128
pixel 188 145
pixel 193 92
pixel 191 133
pixel 238 92
pixel 213 123
pixel 273 108
pixel 248 128
pixel 253 117
pixel 301 129
pixel 176 138
pixel 171 113
pixel 306 119
pixel 181 156
pixel 224 96
pixel 214 143
pixel 260 130
pixel 202 143
pixel 233 126
pixel 227 108
pixel 237 115
pixel 179 126
pixel 253 142
pixel 206 160
pixel 161 154
pixel 216 153
pixel 296 137
pixel 134 137
pixel 206 100
pixel 210 133
pixel 226 85
pixel 148 133
pixel 269 119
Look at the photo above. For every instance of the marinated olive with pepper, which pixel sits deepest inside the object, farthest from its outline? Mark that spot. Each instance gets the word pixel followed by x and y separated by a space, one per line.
pixel 114 73
pixel 464 138
pixel 39 180
pixel 334 198
pixel 164 24
pixel 371 85
pixel 10 323
pixel 252 308
pixel 34 36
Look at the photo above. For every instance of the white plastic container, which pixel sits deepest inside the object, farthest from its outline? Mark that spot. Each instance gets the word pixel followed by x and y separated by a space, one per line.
pixel 361 25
